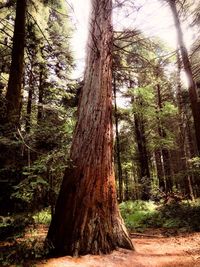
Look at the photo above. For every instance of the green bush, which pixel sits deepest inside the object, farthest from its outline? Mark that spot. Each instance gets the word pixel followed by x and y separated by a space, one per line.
pixel 139 215
pixel 43 216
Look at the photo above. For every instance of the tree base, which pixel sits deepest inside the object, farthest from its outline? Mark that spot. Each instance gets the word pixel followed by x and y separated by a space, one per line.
pixel 86 223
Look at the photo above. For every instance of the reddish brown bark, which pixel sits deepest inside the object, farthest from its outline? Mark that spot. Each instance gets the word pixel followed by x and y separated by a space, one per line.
pixel 87 218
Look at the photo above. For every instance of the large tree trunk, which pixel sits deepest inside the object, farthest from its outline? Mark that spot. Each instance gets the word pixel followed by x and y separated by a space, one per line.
pixel 195 105
pixel 14 94
pixel 87 217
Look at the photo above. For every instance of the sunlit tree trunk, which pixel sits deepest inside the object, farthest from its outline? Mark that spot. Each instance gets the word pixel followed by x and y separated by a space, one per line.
pixel 87 217
pixel 195 105
pixel 182 158
pixel 40 96
pixel 14 91
pixel 160 169
pixel 118 156
pixel 29 103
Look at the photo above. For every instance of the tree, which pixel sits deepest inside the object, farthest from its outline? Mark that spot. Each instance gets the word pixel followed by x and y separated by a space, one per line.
pixel 13 95
pixel 117 145
pixel 195 105
pixel 143 160
pixel 87 217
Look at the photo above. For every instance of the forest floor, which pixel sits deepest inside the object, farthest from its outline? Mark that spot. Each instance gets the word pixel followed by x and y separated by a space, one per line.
pixel 153 248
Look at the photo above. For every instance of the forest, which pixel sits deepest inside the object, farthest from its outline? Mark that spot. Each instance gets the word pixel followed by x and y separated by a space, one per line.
pixel 100 141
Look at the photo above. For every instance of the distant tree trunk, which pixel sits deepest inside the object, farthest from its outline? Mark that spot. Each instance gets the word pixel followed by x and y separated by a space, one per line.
pixel 40 96
pixel 126 186
pixel 87 218
pixel 158 151
pixel 119 166
pixel 187 187
pixel 195 104
pixel 167 169
pixel 29 103
pixel 14 91
pixel 165 155
pixel 140 137
pixel 160 169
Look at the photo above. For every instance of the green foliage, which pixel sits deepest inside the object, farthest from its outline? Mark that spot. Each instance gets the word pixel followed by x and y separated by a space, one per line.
pixel 195 163
pixel 43 216
pixel 183 216
pixel 47 147
pixel 29 187
pixel 135 213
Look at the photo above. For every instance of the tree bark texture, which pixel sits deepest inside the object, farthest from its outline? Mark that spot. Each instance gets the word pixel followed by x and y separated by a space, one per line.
pixel 14 91
pixel 87 218
pixel 195 104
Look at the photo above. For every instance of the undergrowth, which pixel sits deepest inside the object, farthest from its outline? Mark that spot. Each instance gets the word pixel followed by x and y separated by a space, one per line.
pixel 139 215
pixel 134 213
pixel 42 217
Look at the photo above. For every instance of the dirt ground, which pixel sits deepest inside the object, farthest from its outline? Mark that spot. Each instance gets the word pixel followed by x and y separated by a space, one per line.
pixel 151 250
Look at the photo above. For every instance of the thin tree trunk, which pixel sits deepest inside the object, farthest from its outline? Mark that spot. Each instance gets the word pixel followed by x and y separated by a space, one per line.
pixel 119 166
pixel 195 105
pixel 126 186
pixel 160 170
pixel 142 157
pixel 165 155
pixel 29 103
pixel 182 140
pixel 87 218
pixel 167 169
pixel 40 97
pixel 14 91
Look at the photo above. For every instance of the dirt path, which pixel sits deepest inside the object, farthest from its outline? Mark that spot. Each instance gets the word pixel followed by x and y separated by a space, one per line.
pixel 158 251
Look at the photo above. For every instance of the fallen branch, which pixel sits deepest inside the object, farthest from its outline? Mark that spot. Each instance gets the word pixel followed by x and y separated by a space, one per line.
pixel 146 235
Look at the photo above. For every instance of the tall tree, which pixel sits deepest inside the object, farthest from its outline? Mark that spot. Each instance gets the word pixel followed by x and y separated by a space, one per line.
pixel 117 146
pixel 195 104
pixel 144 176
pixel 87 217
pixel 13 95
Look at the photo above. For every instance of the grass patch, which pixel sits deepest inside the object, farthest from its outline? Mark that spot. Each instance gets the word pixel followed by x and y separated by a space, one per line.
pixel 42 217
pixel 137 213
